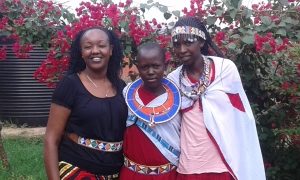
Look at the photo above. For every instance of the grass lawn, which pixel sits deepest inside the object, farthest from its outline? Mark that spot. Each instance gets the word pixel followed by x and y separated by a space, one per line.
pixel 25 155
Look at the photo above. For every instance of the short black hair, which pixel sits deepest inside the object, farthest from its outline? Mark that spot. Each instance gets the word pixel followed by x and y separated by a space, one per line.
pixel 77 64
pixel 195 22
pixel 149 46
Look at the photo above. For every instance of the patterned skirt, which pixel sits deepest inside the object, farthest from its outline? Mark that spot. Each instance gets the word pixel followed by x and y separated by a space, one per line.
pixel 140 149
pixel 69 172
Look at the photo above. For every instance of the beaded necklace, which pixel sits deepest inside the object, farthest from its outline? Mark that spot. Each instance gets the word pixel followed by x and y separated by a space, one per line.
pixel 154 115
pixel 194 91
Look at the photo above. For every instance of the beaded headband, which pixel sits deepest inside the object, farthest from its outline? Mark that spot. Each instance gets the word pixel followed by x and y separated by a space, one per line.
pixel 188 30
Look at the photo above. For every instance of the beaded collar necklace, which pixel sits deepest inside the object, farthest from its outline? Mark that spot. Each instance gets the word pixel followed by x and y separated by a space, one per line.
pixel 194 91
pixel 154 115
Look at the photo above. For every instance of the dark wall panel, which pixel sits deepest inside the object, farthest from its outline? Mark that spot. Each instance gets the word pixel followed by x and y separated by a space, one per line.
pixel 22 98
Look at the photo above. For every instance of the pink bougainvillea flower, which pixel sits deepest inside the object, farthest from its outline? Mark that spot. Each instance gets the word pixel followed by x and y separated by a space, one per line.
pixel 168 56
pixel 213 9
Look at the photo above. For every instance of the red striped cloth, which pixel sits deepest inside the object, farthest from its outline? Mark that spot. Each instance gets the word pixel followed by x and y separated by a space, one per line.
pixel 70 172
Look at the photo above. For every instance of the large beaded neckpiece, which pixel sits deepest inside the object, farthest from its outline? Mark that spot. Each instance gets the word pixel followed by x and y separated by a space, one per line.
pixel 191 90
pixel 154 115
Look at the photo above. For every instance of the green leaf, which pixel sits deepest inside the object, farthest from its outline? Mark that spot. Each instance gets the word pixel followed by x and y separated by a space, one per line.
pixel 176 13
pixel 266 20
pixel 43 33
pixel 109 20
pixel 281 32
pixel 263 136
pixel 231 46
pixel 284 2
pixel 219 12
pixel 248 39
pixel 288 20
pixel 264 28
pixel 236 3
pixel 252 32
pixel 236 36
pixel 167 15
pixel 278 41
pixel 228 18
pixel 123 24
pixel 267 47
pixel 70 18
pixel 28 24
pixel 233 13
pixel 171 23
pixel 298 34
pixel 295 22
pixel 22 41
pixel 128 49
pixel 149 1
pixel 286 167
pixel 246 59
pixel 18 30
pixel 29 39
pixel 242 30
pixel 145 6
pixel 282 24
pixel 247 13
pixel 211 20
pixel 163 9
pixel 65 15
pixel 295 164
pixel 143 10
pixel 258 28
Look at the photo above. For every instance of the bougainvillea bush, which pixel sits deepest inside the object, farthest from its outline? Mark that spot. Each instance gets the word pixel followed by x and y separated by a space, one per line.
pixel 31 22
pixel 262 40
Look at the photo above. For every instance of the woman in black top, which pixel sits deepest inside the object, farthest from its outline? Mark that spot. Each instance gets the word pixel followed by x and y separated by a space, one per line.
pixel 88 113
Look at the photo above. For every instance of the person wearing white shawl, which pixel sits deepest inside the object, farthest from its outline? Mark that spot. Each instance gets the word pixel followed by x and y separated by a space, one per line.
pixel 218 132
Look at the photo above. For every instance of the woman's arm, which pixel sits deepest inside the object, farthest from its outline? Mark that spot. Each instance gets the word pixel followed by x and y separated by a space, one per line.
pixel 58 118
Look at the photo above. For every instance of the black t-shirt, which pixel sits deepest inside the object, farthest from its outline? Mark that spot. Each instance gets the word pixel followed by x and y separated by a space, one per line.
pixel 94 118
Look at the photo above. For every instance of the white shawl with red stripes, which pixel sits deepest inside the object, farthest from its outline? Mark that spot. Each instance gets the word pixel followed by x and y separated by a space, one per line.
pixel 233 130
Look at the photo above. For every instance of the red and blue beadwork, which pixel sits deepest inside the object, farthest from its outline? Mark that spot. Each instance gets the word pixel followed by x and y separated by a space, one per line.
pixel 160 114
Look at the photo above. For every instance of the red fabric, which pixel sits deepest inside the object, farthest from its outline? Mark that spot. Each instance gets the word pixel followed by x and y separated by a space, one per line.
pixel 146 96
pixel 236 101
pixel 205 176
pixel 82 174
pixel 138 148
pixel 212 72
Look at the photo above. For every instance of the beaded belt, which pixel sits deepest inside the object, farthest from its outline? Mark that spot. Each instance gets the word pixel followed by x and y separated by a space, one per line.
pixel 100 145
pixel 95 144
pixel 151 170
